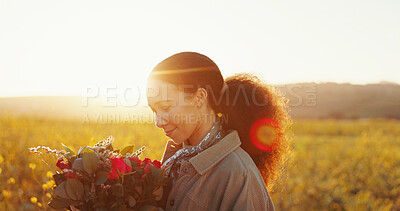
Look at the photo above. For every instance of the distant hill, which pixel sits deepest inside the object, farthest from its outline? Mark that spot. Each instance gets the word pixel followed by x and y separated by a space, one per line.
pixel 332 100
pixel 73 107
pixel 306 100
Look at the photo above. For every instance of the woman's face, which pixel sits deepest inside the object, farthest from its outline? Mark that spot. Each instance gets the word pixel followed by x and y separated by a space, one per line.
pixel 175 110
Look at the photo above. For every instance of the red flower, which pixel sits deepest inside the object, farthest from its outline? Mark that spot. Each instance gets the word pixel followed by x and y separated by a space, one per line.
pixel 156 163
pixel 146 161
pixel 60 164
pixel 137 160
pixel 70 175
pixel 147 168
pixel 120 165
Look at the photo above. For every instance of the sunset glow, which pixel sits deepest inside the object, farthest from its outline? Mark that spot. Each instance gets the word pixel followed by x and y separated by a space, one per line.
pixel 64 47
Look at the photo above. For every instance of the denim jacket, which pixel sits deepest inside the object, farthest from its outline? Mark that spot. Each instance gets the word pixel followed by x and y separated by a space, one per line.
pixel 222 177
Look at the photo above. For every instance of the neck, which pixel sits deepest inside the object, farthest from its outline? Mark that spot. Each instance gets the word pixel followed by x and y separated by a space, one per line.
pixel 201 130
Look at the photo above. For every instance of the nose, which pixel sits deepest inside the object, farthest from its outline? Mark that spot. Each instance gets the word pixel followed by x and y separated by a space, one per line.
pixel 161 120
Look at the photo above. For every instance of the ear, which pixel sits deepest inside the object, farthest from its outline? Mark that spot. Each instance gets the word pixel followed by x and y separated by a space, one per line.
pixel 200 97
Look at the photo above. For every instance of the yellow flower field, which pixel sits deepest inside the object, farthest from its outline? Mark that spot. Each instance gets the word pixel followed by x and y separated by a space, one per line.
pixel 337 165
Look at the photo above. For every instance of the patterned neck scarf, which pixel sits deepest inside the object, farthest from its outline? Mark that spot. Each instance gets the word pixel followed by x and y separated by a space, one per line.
pixel 188 151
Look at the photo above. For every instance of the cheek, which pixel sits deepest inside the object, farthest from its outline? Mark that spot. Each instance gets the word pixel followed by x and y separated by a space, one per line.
pixel 182 115
pixel 184 120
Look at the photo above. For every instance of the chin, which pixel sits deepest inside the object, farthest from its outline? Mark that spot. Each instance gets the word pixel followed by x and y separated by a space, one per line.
pixel 177 140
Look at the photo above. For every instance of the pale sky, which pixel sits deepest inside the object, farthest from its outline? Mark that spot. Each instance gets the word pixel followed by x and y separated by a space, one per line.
pixel 63 47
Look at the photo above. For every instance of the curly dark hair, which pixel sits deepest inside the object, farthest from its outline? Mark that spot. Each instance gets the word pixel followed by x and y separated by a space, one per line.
pixel 246 100
pixel 265 102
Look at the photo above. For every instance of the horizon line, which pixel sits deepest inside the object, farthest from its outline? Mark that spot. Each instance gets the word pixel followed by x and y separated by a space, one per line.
pixel 384 82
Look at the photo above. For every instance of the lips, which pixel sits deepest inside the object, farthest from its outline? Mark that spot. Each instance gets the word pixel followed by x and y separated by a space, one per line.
pixel 169 132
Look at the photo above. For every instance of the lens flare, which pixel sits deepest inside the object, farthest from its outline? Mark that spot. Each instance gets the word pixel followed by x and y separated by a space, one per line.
pixel 263 134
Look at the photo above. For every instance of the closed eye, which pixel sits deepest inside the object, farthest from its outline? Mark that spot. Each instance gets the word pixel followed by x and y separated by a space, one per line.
pixel 165 108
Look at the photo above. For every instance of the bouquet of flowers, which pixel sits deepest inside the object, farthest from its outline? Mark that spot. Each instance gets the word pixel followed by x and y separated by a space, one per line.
pixel 102 178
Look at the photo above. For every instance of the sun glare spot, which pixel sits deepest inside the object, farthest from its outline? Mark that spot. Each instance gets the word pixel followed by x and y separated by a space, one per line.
pixel 263 134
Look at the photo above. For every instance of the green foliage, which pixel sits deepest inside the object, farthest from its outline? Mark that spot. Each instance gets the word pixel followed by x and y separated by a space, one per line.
pixel 68 149
pixel 128 149
pixel 97 172
pixel 74 189
pixel 101 177
pixel 61 190
pixel 89 160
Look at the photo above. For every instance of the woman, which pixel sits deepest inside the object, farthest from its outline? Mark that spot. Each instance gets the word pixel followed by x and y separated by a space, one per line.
pixel 211 157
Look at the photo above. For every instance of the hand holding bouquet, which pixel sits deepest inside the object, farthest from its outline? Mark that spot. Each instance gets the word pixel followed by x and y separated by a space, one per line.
pixel 102 178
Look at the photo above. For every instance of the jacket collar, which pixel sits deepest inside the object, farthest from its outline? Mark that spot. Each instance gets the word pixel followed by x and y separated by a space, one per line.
pixel 211 156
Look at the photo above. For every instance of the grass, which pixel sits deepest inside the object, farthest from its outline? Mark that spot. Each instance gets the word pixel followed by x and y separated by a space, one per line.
pixel 338 165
